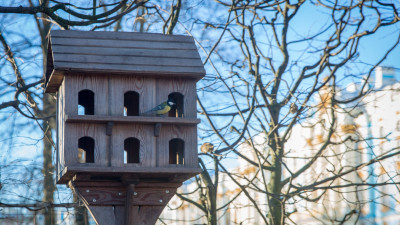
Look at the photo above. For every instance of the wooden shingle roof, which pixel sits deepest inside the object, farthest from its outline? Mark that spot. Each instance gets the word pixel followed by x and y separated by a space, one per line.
pixel 120 53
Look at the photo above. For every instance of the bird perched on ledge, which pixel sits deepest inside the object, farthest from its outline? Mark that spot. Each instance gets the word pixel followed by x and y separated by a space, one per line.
pixel 293 108
pixel 207 147
pixel 162 108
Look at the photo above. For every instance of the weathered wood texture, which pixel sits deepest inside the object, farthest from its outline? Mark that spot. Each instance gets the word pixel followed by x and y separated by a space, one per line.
pixel 119 85
pixel 79 82
pixel 121 53
pixel 144 133
pixel 75 131
pixel 183 86
pixel 188 135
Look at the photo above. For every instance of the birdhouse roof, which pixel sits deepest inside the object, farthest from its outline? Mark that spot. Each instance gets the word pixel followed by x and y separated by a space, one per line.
pixel 130 53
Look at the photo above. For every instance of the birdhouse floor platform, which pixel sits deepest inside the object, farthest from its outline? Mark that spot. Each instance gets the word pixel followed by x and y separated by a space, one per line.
pixel 126 174
pixel 130 119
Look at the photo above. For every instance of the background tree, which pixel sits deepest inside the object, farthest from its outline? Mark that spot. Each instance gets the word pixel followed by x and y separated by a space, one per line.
pixel 274 66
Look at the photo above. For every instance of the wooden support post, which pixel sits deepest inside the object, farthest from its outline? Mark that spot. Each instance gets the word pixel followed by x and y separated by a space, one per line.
pixel 129 212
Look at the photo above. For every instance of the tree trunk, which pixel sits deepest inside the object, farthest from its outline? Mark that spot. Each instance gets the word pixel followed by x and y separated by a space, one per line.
pixel 274 189
pixel 48 126
pixel 212 211
pixel 274 186
pixel 81 215
pixel 211 193
pixel 48 168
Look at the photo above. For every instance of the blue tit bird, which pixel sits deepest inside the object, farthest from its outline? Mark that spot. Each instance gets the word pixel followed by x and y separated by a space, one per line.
pixel 162 108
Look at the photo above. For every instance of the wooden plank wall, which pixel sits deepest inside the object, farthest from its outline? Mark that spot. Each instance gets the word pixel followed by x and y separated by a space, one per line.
pixel 188 134
pixel 119 85
pixel 78 82
pixel 72 84
pixel 186 87
pixel 74 131
pixel 144 133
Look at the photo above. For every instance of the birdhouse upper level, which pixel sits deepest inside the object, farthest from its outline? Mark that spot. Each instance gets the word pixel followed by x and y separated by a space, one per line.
pixel 106 82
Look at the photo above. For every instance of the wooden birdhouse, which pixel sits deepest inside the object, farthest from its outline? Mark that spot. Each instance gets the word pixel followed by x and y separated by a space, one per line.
pixel 110 150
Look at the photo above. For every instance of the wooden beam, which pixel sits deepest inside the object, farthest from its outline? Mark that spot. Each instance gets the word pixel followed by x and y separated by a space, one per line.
pixel 175 173
pixel 131 119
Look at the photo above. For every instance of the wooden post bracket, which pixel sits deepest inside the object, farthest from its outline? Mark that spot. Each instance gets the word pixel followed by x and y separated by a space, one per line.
pixel 109 127
pixel 157 129
pixel 115 203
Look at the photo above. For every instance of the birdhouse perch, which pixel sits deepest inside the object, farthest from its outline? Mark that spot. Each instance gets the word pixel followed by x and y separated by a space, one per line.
pixel 122 162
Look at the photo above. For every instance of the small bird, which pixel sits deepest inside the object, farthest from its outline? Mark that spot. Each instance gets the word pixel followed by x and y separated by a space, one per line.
pixel 207 147
pixel 162 108
pixel 293 108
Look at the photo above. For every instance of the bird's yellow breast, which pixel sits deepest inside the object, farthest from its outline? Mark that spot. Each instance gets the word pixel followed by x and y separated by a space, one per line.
pixel 164 110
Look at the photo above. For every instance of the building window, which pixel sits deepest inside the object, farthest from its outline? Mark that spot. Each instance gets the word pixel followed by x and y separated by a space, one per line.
pixel 86 150
pixel 176 151
pixel 131 103
pixel 178 109
pixel 86 102
pixel 131 150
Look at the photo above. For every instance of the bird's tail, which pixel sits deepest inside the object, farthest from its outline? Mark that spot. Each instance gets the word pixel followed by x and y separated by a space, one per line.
pixel 147 113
